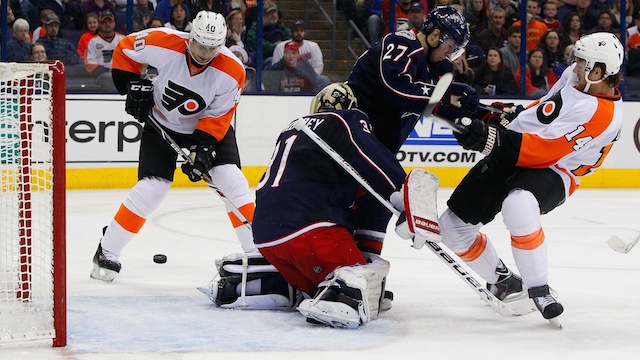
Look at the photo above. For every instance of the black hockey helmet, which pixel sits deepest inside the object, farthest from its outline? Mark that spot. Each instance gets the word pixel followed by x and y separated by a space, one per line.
pixel 451 23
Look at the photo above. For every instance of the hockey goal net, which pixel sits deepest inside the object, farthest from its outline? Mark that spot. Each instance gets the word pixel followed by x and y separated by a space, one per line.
pixel 32 205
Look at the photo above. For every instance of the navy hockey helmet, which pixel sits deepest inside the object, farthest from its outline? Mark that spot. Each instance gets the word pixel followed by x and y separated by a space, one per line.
pixel 336 96
pixel 451 23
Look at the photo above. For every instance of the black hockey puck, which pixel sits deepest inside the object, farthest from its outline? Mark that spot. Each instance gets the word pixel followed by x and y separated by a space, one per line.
pixel 159 258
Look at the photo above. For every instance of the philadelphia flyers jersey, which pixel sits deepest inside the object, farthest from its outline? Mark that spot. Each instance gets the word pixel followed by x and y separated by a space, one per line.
pixel 569 131
pixel 187 96
pixel 100 51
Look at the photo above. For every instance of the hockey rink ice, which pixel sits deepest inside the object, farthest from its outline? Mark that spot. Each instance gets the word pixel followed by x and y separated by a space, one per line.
pixel 153 311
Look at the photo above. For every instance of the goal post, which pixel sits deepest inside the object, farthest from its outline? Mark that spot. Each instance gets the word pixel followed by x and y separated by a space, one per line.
pixel 32 204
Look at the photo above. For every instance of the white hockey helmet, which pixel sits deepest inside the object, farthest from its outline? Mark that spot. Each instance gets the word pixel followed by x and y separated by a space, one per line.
pixel 336 96
pixel 209 29
pixel 600 47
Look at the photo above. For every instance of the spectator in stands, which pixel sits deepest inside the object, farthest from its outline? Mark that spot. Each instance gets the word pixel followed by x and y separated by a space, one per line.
pixel 375 24
pixel 38 53
pixel 217 6
pixel 309 50
pixel 401 12
pixel 156 22
pixel 550 12
pixel 179 20
pixel 273 32
pixel 58 48
pixel 550 43
pixel 70 12
pixel 90 30
pixel 633 46
pixel 629 13
pixel 292 74
pixel 563 64
pixel 416 17
pixel 511 52
pixel 511 13
pixel 462 72
pixel 19 44
pixel 493 77
pixel 11 17
pixel 250 72
pixel 97 6
pixel 165 8
pixel 539 78
pixel 588 14
pixel 143 13
pixel 236 31
pixel 605 23
pixel 29 13
pixel 40 31
pixel 475 55
pixel 100 51
pixel 476 15
pixel 535 27
pixel 495 34
pixel 572 29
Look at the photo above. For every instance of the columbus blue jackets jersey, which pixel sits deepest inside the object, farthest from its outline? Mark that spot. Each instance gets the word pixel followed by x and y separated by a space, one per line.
pixel 303 188
pixel 393 82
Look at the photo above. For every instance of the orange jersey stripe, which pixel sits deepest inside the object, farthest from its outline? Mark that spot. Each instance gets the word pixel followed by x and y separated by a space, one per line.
pixel 246 210
pixel 128 220
pixel 531 155
pixel 528 242
pixel 476 249
pixel 217 126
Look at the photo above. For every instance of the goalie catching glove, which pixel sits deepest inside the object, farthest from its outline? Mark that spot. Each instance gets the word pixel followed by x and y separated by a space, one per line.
pixel 203 152
pixel 418 200
pixel 139 99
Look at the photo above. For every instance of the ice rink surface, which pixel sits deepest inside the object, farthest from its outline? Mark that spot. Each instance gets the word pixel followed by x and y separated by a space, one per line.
pixel 153 311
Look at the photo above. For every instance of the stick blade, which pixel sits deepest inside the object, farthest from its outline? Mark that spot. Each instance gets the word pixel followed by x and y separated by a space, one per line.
pixel 619 245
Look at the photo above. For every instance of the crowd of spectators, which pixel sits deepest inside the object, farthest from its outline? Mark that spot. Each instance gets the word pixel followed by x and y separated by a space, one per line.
pixel 66 27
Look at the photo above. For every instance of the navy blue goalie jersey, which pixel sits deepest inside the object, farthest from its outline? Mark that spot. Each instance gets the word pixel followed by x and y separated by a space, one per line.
pixel 304 188
pixel 393 82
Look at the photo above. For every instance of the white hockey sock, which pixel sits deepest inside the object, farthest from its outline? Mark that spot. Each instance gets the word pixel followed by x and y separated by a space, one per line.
pixel 521 214
pixel 143 199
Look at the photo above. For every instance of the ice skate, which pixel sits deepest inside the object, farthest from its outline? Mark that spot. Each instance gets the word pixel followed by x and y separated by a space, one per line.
pixel 547 304
pixel 509 286
pixel 385 303
pixel 103 268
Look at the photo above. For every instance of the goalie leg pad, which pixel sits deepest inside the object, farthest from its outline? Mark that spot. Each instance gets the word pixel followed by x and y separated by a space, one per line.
pixel 248 281
pixel 420 191
pixel 350 297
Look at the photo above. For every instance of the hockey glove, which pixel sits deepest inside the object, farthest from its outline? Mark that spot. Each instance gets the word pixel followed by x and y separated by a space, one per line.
pixel 462 96
pixel 510 113
pixel 203 151
pixel 139 99
pixel 479 136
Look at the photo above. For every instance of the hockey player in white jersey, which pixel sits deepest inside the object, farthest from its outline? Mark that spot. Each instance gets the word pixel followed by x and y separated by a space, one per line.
pixel 532 166
pixel 193 97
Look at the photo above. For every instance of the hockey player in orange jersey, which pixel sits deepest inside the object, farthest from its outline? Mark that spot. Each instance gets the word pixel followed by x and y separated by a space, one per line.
pixel 193 97
pixel 533 166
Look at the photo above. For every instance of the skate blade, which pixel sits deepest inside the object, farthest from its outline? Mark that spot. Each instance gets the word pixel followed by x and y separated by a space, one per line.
pixel 99 273
pixel 332 319
pixel 556 322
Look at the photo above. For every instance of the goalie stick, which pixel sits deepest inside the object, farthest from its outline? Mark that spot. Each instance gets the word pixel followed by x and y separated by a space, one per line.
pixel 619 245
pixel 205 177
pixel 515 308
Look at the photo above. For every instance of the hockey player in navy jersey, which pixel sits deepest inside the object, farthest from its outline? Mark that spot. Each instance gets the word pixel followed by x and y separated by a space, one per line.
pixel 532 166
pixel 393 80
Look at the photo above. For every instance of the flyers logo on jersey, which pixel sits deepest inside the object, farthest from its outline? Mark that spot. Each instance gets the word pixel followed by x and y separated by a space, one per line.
pixel 186 101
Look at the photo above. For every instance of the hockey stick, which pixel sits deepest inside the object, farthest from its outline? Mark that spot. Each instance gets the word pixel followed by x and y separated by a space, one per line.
pixel 515 308
pixel 619 245
pixel 205 177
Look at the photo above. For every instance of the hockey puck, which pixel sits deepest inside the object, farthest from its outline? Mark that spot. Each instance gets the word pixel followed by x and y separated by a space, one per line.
pixel 159 258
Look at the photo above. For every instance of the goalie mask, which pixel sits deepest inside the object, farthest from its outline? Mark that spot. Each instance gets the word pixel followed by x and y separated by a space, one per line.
pixel 336 96
pixel 208 35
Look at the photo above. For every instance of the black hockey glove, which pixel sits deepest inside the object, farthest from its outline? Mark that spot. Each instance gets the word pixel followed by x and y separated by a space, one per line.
pixel 462 96
pixel 201 161
pixel 203 151
pixel 510 113
pixel 139 99
pixel 479 136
